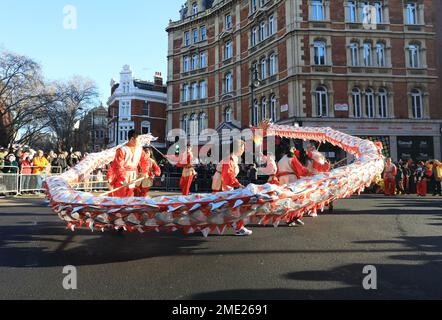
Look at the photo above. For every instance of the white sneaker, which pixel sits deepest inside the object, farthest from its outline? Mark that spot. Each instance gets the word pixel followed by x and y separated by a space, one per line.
pixel 244 232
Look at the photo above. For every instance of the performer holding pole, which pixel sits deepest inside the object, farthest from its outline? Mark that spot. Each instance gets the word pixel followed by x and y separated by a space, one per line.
pixel 184 161
pixel 123 171
pixel 318 164
pixel 152 170
pixel 271 169
pixel 289 171
pixel 225 179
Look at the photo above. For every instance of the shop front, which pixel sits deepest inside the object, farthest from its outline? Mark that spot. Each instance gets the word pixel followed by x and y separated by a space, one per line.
pixel 401 139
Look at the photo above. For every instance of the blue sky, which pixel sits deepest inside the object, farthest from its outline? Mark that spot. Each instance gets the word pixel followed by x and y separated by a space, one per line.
pixel 109 34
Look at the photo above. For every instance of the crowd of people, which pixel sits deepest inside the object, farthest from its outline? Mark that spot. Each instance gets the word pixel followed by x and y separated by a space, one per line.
pixel 34 166
pixel 410 177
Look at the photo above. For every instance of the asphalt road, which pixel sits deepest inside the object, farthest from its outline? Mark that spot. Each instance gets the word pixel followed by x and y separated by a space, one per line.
pixel 325 259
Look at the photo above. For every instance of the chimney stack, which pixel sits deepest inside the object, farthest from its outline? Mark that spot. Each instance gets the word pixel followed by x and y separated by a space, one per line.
pixel 158 79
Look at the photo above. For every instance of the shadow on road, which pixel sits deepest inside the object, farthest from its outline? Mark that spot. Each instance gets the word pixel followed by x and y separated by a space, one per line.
pixel 24 246
pixel 411 280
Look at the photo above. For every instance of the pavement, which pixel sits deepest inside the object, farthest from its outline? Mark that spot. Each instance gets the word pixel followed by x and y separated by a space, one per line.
pixel 401 237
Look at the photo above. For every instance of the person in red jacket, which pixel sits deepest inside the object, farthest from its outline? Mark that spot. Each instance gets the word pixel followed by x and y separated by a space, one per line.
pixel 123 171
pixel 152 170
pixel 390 178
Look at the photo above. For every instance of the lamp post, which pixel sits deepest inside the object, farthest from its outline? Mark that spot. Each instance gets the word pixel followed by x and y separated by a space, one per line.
pixel 255 82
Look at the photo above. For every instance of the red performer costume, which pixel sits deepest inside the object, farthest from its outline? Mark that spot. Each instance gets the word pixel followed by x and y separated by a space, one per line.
pixel 225 176
pixel 318 163
pixel 271 170
pixel 188 171
pixel 225 179
pixel 152 170
pixel 390 178
pixel 290 170
pixel 123 171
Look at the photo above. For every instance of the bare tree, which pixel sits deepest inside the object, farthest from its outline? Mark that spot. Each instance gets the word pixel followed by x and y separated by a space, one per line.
pixel 24 98
pixel 74 98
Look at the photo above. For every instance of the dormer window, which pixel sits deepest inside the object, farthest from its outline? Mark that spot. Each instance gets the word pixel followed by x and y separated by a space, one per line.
pixel 228 22
pixel 195 8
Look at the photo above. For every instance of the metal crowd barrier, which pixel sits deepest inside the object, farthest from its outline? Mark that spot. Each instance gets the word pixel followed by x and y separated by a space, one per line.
pixel 9 180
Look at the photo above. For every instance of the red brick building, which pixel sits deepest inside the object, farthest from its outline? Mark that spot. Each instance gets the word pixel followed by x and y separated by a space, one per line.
pixel 368 68
pixel 137 104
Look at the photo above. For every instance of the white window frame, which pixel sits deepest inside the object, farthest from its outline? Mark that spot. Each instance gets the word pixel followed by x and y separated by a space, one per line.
pixel 380 54
pixel 318 10
pixel 320 46
pixel 370 103
pixel 354 54
pixel 263 68
pixel 383 103
pixel 368 52
pixel 321 109
pixel 273 116
pixel 357 102
pixel 417 108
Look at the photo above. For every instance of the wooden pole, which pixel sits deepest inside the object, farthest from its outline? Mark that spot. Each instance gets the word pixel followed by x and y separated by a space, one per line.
pixel 123 186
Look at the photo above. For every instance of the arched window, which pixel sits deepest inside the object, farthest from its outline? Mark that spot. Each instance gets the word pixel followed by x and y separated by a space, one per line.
pixel 273 108
pixel 254 35
pixel 229 82
pixel 321 102
pixel 193 125
pixel 185 124
pixel 202 125
pixel 320 51
pixel 352 15
pixel 262 31
pixel 186 93
pixel 380 54
pixel 383 103
pixel 414 55
pixel 411 13
pixel 263 68
pixel 369 103
pixel 417 104
pixel 194 62
pixel 272 29
pixel 195 91
pixel 367 54
pixel 145 127
pixel 357 102
pixel 194 8
pixel 186 64
pixel 354 53
pixel 228 115
pixel 273 65
pixel 264 108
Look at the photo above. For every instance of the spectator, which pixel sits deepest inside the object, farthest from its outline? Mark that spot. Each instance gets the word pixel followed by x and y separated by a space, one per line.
pixel 62 162
pixel 436 176
pixel 41 166
pixel 400 179
pixel 10 164
pixel 26 172
pixel 407 176
pixel 421 180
